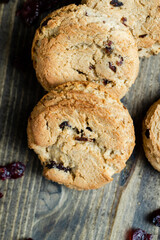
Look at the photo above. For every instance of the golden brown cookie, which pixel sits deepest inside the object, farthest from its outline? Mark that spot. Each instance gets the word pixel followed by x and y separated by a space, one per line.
pixel 151 135
pixel 142 17
pixel 82 135
pixel 77 43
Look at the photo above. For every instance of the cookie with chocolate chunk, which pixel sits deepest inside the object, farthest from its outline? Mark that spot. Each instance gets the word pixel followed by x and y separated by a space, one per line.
pixel 82 135
pixel 151 135
pixel 77 43
pixel 142 17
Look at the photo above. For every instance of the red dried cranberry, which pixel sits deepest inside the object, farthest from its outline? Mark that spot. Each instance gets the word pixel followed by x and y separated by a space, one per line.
pixel 116 3
pixel 83 139
pixel 16 169
pixel 140 234
pixel 156 221
pixel 112 67
pixel 59 166
pixel 156 218
pixel 31 9
pixel 120 62
pixel 108 47
pixel 1 195
pixel 64 124
pixel 4 173
pixel 124 20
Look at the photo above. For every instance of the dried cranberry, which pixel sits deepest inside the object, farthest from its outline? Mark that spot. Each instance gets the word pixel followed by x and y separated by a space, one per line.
pixel 112 67
pixel 4 173
pixel 1 195
pixel 108 47
pixel 156 220
pixel 31 9
pixel 16 169
pixel 60 166
pixel 120 62
pixel 124 20
pixel 155 217
pixel 83 139
pixel 64 124
pixel 116 3
pixel 140 234
pixel 142 36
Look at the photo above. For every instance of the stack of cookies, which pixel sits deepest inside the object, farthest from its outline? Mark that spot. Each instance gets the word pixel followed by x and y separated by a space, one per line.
pixel 87 58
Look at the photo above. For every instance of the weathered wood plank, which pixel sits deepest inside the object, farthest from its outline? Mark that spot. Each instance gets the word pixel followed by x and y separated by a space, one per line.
pixel 34 207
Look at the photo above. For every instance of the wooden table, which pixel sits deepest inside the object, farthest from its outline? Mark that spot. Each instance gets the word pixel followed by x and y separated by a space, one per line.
pixel 34 207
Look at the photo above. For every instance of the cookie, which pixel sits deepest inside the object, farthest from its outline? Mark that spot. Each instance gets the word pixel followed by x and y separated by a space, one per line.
pixel 142 17
pixel 77 43
pixel 82 135
pixel 151 135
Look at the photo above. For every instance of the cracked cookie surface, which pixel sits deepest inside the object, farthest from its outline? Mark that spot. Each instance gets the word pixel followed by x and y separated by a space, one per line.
pixel 77 43
pixel 142 17
pixel 82 135
pixel 151 135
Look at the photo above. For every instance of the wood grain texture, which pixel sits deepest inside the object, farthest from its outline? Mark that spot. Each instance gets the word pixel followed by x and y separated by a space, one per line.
pixel 34 207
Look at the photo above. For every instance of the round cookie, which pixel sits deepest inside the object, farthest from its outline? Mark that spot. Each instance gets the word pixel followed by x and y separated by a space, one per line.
pixel 82 135
pixel 142 17
pixel 77 43
pixel 151 135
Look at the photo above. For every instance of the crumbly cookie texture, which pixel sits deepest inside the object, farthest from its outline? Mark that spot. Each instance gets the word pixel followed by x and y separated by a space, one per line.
pixel 82 135
pixel 77 43
pixel 142 17
pixel 151 135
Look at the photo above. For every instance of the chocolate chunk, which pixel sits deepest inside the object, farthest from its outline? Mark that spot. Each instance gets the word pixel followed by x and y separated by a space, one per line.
pixel 59 166
pixel 116 3
pixel 112 67
pixel 45 22
pixel 147 133
pixel 119 63
pixel 106 81
pixel 64 124
pixel 124 20
pixel 142 36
